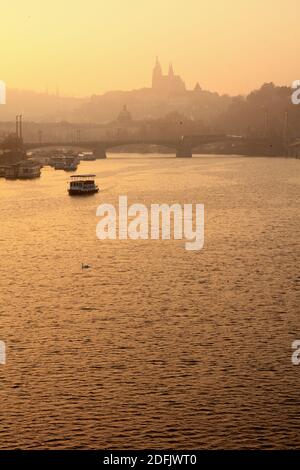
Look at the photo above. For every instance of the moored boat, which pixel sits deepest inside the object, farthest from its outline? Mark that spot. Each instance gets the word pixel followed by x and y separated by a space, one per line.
pixel 70 164
pixel 58 163
pixel 65 162
pixel 87 156
pixel 26 169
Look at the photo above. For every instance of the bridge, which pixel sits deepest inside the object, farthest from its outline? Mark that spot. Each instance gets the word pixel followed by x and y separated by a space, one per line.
pixel 183 147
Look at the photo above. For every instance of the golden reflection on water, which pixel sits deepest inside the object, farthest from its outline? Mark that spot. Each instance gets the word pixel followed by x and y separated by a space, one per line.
pixel 154 346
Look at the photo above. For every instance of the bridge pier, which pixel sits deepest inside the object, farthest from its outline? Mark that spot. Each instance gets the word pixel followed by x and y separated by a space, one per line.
pixel 100 152
pixel 184 151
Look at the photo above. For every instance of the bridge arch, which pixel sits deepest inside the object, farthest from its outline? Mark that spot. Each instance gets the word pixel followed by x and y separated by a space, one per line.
pixel 183 146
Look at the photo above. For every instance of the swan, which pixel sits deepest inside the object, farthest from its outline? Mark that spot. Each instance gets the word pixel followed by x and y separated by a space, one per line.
pixel 85 266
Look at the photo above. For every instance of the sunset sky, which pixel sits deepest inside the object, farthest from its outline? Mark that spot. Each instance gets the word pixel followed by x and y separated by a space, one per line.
pixel 91 46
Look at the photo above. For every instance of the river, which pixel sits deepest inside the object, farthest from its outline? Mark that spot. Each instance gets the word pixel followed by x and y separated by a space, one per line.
pixel 154 346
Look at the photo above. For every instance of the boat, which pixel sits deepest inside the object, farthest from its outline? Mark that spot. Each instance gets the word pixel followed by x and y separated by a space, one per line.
pixel 65 162
pixel 26 169
pixel 58 163
pixel 70 164
pixel 81 185
pixel 87 156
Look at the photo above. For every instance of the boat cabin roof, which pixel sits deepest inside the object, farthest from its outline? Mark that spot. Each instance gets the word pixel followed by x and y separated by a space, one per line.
pixel 74 177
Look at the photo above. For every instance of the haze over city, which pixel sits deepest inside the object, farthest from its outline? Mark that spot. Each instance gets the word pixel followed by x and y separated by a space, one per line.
pixel 228 46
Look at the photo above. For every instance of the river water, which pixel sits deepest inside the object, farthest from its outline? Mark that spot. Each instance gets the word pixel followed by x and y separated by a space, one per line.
pixel 153 346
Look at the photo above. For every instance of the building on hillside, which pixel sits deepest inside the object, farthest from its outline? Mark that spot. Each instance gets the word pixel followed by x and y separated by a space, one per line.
pixel 124 117
pixel 123 127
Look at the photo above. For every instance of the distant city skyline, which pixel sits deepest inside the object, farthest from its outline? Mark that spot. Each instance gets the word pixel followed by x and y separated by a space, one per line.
pixel 161 82
pixel 227 46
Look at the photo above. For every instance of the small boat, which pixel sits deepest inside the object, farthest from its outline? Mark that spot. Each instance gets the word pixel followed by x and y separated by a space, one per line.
pixel 58 162
pixel 81 185
pixel 70 164
pixel 87 156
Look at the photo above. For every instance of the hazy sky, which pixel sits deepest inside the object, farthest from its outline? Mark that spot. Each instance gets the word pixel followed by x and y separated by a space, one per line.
pixel 91 46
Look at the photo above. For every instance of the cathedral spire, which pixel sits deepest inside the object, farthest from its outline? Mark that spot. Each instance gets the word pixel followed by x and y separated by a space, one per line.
pixel 171 71
pixel 156 75
pixel 166 84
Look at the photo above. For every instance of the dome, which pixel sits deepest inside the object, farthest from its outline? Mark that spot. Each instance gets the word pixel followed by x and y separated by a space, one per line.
pixel 124 116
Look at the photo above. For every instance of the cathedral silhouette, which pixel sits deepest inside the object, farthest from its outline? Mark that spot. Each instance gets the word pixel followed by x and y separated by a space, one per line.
pixel 166 84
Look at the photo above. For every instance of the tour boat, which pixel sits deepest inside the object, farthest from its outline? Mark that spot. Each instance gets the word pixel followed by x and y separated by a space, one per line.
pixel 58 162
pixel 26 169
pixel 70 164
pixel 82 185
pixel 65 162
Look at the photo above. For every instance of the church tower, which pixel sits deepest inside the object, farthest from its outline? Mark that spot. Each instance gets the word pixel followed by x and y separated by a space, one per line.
pixel 157 76
pixel 167 85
